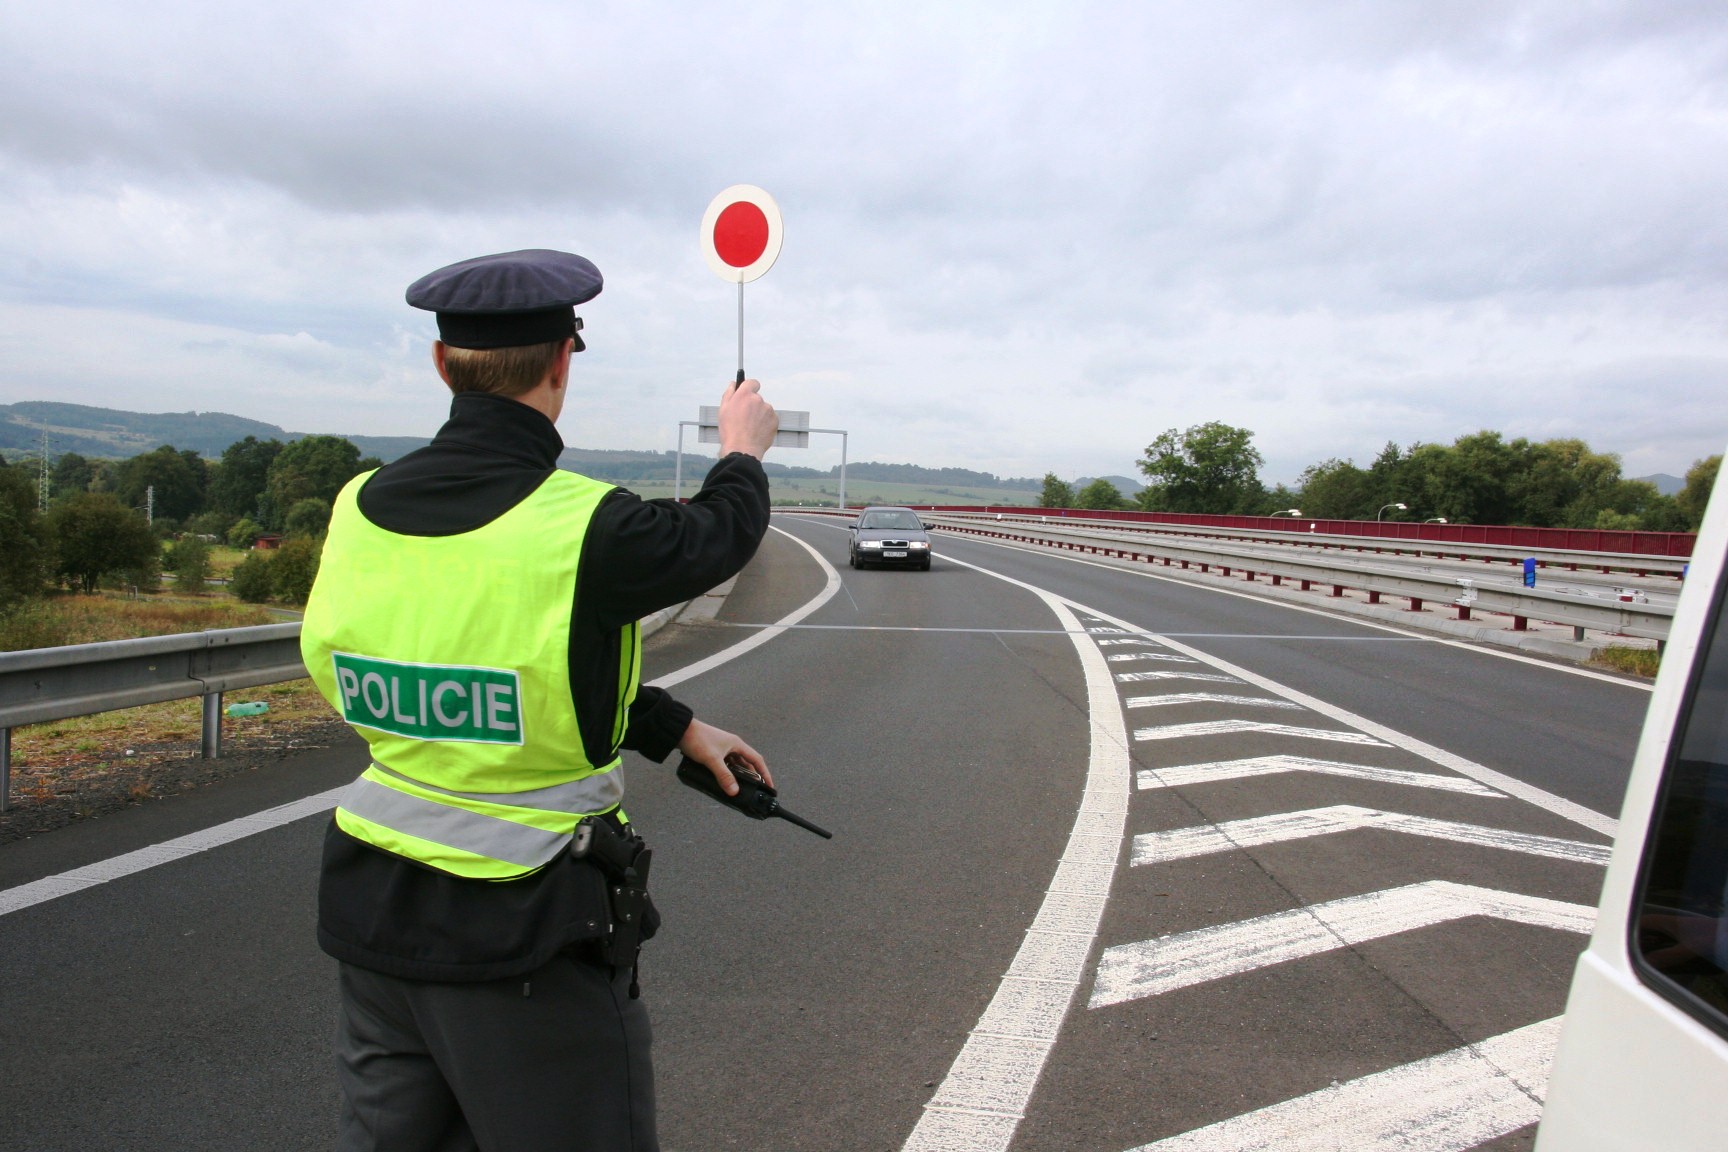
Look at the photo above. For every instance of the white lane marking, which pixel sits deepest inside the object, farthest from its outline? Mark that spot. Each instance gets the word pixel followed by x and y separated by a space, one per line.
pixel 1205 839
pixel 1130 640
pixel 1511 785
pixel 762 637
pixel 1181 776
pixel 1125 657
pixel 1144 677
pixel 78 879
pixel 1153 967
pixel 1427 638
pixel 1206 698
pixel 1447 1103
pixel 1227 727
pixel 982 1099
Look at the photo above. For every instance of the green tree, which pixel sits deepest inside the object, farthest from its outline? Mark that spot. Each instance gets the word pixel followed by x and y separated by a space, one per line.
pixel 242 474
pixel 294 568
pixel 190 558
pixel 95 534
pixel 179 479
pixel 1100 495
pixel 72 474
pixel 251 580
pixel 308 517
pixel 24 537
pixel 1056 494
pixel 244 533
pixel 1211 467
pixel 1700 479
pixel 315 467
pixel 1337 490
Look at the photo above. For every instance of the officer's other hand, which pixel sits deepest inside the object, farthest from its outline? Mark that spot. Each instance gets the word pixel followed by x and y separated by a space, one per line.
pixel 747 422
pixel 716 749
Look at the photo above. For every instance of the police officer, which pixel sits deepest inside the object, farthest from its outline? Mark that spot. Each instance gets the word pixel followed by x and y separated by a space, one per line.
pixel 474 618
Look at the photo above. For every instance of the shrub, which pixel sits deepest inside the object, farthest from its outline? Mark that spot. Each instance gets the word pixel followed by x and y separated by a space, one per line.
pixel 191 564
pixel 244 532
pixel 251 581
pixel 295 567
pixel 308 517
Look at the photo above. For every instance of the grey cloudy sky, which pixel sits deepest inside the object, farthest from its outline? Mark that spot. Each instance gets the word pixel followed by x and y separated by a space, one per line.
pixel 1019 237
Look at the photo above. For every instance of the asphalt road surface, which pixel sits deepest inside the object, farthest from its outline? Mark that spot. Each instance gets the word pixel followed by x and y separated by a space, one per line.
pixel 1119 863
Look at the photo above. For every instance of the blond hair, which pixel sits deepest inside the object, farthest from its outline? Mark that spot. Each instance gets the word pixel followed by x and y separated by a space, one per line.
pixel 500 371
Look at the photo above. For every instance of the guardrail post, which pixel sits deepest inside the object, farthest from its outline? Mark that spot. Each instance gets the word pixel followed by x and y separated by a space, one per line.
pixel 1373 597
pixel 1337 590
pixel 212 749
pixel 1578 633
pixel 1415 604
pixel 5 769
pixel 1463 611
pixel 1520 624
pixel 1307 584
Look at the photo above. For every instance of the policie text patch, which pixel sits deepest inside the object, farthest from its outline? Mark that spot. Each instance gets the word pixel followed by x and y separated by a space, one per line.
pixel 430 701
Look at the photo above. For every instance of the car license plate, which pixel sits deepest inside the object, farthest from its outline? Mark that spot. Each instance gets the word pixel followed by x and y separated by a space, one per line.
pixel 893 555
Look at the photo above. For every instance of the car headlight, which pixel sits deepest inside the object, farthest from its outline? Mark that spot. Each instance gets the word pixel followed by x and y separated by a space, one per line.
pixel 877 544
pixel 916 544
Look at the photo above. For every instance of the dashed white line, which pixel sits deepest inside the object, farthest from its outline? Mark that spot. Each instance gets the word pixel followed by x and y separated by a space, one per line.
pixel 1154 967
pixel 1204 839
pixel 1181 776
pixel 1231 727
pixel 1447 1103
pixel 1125 657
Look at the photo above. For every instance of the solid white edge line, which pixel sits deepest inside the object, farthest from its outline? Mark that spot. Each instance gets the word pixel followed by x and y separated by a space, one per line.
pixel 1463 645
pixel 980 1102
pixel 761 637
pixel 102 871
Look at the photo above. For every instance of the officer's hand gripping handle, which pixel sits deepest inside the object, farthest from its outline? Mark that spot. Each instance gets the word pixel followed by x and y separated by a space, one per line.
pixel 755 798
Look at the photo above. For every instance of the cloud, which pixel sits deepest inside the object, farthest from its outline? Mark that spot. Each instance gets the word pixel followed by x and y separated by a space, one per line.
pixel 1019 238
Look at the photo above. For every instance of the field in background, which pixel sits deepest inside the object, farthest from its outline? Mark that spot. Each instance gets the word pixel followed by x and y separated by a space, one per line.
pixel 826 490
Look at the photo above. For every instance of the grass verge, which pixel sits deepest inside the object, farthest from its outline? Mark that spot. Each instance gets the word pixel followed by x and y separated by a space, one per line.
pixel 1624 658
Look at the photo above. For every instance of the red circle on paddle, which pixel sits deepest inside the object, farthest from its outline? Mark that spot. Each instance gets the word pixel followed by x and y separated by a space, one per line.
pixel 741 234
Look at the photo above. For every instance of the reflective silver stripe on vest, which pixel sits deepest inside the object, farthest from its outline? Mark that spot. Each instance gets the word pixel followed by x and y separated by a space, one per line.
pixel 475 832
pixel 591 794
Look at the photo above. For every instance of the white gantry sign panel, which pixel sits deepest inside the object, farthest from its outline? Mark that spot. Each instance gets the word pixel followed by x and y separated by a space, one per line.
pixel 794 428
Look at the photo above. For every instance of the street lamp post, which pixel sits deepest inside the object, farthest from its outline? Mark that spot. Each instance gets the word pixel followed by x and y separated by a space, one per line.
pixel 1287 512
pixel 1383 507
pixel 1436 520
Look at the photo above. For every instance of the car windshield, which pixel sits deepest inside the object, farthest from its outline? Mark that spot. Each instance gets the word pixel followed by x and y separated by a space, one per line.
pixel 901 521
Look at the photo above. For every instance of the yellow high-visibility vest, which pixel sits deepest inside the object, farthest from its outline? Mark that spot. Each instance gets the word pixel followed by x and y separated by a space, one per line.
pixel 450 655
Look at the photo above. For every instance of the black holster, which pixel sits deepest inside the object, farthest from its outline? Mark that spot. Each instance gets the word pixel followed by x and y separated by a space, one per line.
pixel 623 859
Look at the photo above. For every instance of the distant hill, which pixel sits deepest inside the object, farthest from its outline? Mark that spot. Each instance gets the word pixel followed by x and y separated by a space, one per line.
pixel 114 434
pixel 1124 485
pixel 1665 484
pixel 109 433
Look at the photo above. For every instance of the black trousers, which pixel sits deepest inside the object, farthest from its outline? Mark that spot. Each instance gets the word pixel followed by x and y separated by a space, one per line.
pixel 554 1061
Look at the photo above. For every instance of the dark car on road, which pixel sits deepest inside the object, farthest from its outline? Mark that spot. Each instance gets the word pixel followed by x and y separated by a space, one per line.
pixel 889 536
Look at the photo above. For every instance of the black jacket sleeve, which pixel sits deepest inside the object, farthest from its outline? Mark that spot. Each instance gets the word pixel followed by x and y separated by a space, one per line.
pixel 657 722
pixel 648 554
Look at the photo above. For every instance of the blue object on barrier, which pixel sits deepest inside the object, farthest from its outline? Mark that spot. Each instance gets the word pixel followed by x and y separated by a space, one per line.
pixel 1530 572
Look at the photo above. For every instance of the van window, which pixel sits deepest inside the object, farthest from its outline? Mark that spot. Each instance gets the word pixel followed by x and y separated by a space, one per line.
pixel 1680 933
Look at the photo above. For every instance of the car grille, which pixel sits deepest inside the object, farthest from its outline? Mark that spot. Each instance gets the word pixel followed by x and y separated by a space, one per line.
pixel 896 543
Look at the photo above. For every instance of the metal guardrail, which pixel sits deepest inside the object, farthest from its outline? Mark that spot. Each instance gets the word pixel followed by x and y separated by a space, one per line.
pixel 1571 559
pixel 1649 621
pixel 45 684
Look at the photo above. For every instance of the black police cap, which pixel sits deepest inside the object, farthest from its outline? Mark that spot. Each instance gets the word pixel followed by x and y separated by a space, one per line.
pixel 508 299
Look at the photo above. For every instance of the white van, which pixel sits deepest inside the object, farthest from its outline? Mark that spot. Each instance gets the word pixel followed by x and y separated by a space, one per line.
pixel 1643 1057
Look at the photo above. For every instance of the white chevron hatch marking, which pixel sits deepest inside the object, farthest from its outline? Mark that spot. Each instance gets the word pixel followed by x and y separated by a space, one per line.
pixel 1181 843
pixel 1185 775
pixel 1227 727
pixel 1447 1103
pixel 1125 657
pixel 1153 967
pixel 1206 698
pixel 1142 677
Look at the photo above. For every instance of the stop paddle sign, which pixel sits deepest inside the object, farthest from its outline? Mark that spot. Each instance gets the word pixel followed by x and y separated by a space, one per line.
pixel 741 233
